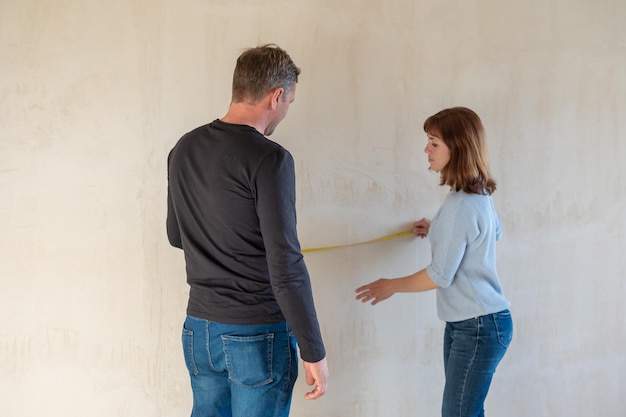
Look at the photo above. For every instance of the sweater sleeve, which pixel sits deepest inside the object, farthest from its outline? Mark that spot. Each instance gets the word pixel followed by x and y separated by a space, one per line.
pixel 452 230
pixel 289 277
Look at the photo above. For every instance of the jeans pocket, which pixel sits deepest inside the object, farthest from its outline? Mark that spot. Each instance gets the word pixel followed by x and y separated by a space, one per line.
pixel 249 359
pixel 187 338
pixel 504 327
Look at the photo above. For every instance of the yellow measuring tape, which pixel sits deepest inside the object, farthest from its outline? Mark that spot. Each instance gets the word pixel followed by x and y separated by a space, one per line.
pixel 380 239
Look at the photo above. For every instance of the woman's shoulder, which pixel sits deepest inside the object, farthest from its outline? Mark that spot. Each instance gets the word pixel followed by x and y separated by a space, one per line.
pixel 470 198
pixel 469 204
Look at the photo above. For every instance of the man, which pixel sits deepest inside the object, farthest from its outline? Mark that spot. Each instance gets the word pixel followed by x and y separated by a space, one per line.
pixel 231 208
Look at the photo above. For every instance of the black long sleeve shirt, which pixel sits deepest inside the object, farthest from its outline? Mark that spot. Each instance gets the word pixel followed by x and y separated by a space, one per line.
pixel 231 208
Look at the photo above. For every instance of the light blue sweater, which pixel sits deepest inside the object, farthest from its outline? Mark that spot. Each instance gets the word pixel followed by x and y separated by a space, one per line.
pixel 463 237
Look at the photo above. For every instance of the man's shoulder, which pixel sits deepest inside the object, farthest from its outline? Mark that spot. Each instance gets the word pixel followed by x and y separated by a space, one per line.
pixel 199 131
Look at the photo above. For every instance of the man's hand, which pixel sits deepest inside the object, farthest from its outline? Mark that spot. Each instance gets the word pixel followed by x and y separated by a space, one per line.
pixel 316 373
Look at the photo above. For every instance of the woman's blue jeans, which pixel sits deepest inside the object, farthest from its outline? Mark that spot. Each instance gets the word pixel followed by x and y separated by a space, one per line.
pixel 472 350
pixel 240 370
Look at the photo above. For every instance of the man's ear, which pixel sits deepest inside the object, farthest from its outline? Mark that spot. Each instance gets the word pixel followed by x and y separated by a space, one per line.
pixel 277 95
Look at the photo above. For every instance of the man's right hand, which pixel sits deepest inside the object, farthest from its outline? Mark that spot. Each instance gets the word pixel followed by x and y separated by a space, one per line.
pixel 316 373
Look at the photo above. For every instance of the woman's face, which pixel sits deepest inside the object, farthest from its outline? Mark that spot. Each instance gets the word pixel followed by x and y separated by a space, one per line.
pixel 438 152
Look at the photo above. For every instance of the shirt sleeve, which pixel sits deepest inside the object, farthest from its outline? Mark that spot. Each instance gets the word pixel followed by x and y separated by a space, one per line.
pixel 289 277
pixel 173 230
pixel 454 228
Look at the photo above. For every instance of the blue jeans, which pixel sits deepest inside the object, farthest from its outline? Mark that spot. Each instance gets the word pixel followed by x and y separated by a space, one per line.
pixel 472 350
pixel 240 370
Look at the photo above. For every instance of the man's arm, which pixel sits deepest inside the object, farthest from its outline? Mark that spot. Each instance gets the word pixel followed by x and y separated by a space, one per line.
pixel 289 277
pixel 173 231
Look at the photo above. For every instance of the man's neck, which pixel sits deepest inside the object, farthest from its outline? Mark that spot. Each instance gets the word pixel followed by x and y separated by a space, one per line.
pixel 247 114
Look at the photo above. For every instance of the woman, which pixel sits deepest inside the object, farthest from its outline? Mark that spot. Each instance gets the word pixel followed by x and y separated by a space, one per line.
pixel 463 237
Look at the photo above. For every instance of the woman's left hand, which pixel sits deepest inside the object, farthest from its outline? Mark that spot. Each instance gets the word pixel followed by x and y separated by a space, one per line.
pixel 376 291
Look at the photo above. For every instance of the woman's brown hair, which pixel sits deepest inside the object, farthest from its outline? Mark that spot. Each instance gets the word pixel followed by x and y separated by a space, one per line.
pixel 463 133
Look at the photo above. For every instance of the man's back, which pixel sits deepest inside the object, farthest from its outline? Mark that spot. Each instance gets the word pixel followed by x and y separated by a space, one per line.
pixel 216 173
pixel 232 193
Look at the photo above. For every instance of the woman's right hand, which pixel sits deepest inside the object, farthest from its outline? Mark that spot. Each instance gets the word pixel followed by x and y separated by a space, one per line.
pixel 421 227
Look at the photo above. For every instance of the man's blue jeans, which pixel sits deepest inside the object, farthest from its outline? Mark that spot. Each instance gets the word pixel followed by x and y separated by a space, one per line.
pixel 472 350
pixel 240 370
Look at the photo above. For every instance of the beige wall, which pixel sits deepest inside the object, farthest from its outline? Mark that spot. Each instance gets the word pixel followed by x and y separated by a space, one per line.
pixel 94 94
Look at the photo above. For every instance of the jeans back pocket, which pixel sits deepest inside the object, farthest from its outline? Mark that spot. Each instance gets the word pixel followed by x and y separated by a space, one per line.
pixel 249 359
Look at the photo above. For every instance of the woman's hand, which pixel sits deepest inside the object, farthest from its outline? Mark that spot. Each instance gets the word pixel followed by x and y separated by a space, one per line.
pixel 376 291
pixel 421 228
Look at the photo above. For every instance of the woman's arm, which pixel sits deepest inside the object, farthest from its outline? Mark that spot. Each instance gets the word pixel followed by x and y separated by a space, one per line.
pixel 384 288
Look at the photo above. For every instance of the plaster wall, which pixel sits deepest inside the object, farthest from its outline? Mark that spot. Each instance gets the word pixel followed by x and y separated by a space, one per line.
pixel 94 94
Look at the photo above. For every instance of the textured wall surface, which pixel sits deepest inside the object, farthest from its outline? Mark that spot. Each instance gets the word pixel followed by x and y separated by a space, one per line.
pixel 94 94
